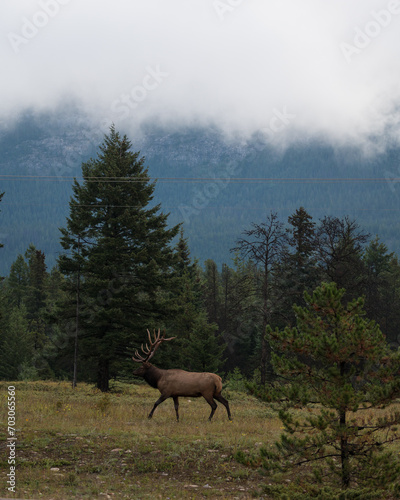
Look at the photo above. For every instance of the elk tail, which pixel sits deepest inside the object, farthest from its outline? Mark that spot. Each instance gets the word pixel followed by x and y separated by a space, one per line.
pixel 218 385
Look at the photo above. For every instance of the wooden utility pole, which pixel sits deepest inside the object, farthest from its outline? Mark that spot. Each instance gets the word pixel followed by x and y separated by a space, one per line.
pixel 78 282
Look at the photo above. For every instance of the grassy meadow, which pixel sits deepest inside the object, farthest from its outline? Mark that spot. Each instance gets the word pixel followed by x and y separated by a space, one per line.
pixel 85 444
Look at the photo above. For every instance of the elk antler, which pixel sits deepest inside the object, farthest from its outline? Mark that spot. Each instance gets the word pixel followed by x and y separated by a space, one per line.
pixel 150 350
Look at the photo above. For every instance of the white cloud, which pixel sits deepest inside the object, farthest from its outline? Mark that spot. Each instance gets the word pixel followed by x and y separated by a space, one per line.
pixel 233 69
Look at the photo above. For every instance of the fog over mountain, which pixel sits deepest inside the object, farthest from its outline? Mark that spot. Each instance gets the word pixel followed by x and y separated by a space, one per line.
pixel 295 70
pixel 214 186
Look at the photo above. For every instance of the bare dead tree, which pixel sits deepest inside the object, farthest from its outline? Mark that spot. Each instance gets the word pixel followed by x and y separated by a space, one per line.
pixel 265 244
pixel 339 244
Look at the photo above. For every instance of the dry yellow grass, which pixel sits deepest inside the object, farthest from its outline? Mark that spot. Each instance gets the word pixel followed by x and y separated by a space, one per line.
pixel 85 444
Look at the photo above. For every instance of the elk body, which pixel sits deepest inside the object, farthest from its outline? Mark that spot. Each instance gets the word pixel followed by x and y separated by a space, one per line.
pixel 175 383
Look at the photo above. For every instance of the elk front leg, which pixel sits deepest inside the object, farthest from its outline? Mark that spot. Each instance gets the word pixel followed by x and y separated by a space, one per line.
pixel 176 405
pixel 159 401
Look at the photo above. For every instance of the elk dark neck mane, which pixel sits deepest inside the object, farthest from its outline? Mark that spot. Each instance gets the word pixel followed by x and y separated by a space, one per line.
pixel 153 375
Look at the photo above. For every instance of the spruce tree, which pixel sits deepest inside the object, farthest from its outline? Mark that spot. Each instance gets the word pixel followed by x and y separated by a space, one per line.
pixel 35 300
pixel 186 305
pixel 382 290
pixel 198 346
pixel 390 300
pixel 16 344
pixel 17 282
pixel 302 234
pixel 212 290
pixel 204 352
pixel 1 197
pixel 118 243
pixel 1 244
pixel 298 270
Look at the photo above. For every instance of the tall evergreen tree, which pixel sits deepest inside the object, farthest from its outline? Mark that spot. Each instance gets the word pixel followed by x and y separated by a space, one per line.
pixel 120 245
pixel 26 294
pixel 297 272
pixel 187 303
pixel 199 344
pixel 204 352
pixel 212 290
pixel 17 282
pixel 391 300
pixel 377 262
pixel 16 344
pixel 302 234
pixel 184 263
pixel 1 197
pixel 36 294
pixel 1 244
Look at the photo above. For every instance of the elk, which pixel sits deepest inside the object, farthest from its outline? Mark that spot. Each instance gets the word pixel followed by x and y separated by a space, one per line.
pixel 175 383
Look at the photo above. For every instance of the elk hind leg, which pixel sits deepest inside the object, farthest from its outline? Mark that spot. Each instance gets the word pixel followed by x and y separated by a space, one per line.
pixel 213 405
pixel 159 401
pixel 222 400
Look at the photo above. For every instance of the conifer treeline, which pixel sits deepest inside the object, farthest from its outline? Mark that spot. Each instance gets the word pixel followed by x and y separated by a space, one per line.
pixel 121 273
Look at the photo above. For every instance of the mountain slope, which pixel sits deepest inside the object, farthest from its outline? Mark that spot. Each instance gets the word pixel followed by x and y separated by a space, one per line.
pixel 204 180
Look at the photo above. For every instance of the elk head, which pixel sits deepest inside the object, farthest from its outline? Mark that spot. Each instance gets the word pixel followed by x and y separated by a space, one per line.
pixel 148 351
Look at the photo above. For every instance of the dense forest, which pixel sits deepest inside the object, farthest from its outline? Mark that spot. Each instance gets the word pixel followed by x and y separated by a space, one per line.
pixel 125 269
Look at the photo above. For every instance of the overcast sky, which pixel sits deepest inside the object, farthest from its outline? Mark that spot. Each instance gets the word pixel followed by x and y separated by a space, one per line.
pixel 292 68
